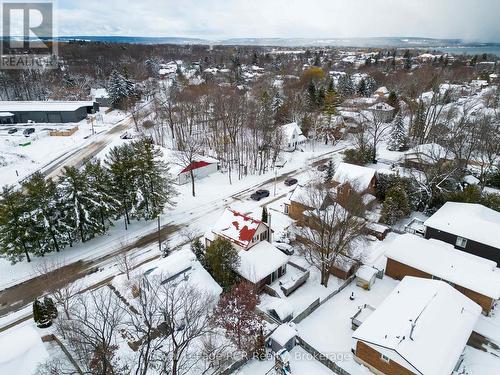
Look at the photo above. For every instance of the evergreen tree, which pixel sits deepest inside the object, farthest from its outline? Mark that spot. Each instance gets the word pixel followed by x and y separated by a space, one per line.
pixel 370 86
pixel 77 199
pixel 320 100
pixel 398 140
pixel 346 86
pixel 118 89
pixel 317 60
pixel 396 205
pixel 16 225
pixel 199 250
pixel 264 214
pixel 44 199
pixel 419 121
pixel 330 172
pixel 50 307
pixel 393 101
pixel 120 163
pixel 154 187
pixel 311 95
pixel 362 87
pixel 99 182
pixel 221 259
pixel 40 315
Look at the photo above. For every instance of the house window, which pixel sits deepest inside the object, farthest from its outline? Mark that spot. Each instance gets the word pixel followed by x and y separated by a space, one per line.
pixel 385 358
pixel 286 209
pixel 461 242
pixel 274 276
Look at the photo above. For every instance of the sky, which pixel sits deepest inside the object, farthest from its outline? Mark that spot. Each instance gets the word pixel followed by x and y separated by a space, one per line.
pixel 471 20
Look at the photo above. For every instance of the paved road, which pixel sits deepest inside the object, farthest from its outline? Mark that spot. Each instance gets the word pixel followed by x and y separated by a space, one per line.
pixel 19 296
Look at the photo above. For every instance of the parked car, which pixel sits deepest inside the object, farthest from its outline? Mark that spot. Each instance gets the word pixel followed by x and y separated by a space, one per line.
pixel 290 181
pixel 259 194
pixel 284 248
pixel 28 132
pixel 323 168
pixel 12 131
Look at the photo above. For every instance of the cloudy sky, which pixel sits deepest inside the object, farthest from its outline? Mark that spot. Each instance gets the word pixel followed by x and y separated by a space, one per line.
pixel 472 20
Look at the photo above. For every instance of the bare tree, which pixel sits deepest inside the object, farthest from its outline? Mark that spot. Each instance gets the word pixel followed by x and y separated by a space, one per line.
pixel 125 264
pixel 92 330
pixel 330 234
pixel 376 129
pixel 189 152
pixel 186 313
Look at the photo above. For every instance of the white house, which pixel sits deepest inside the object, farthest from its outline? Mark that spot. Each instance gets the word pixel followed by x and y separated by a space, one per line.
pixel 202 166
pixel 261 263
pixel 293 136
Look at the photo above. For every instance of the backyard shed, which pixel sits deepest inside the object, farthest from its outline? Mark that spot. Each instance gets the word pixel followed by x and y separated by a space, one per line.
pixel 365 277
pixel 283 338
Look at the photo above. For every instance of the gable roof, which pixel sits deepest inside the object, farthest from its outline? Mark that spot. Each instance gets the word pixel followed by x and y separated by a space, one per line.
pixel 358 177
pixel 442 260
pixel 260 261
pixel 236 227
pixel 289 129
pixel 442 317
pixel 469 220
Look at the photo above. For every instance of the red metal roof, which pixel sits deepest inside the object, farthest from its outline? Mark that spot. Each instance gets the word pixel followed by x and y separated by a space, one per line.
pixel 195 165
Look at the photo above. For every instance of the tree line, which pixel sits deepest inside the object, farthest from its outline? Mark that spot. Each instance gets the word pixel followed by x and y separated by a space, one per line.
pixel 46 215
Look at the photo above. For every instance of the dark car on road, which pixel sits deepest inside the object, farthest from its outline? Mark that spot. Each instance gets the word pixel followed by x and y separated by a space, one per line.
pixel 323 168
pixel 28 131
pixel 259 194
pixel 290 181
pixel 12 131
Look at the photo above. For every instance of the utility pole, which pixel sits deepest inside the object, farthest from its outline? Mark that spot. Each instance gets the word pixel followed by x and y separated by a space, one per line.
pixel 275 177
pixel 159 234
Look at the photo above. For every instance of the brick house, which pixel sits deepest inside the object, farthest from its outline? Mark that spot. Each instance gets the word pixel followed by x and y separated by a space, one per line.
pixel 475 277
pixel 422 327
pixel 260 262
pixel 469 227
pixel 349 178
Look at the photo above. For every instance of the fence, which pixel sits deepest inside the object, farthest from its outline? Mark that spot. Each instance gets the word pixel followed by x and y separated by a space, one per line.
pixel 63 133
pixel 321 357
pixel 318 302
pixel 53 337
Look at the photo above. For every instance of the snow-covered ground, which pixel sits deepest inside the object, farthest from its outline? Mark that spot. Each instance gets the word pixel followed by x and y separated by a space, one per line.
pixel 328 329
pixel 213 194
pixel 18 162
pixel 301 363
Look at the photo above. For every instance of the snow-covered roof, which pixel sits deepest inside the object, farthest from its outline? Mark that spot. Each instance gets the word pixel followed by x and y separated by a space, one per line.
pixel 260 261
pixel 22 350
pixel 444 261
pixel 471 180
pixel 183 262
pixel 382 90
pixel 6 114
pixel 177 164
pixel 381 107
pixel 366 272
pixel 358 177
pixel 99 93
pixel 429 152
pixel 290 129
pixel 284 333
pixel 236 227
pixel 31 106
pixel 442 319
pixel 281 307
pixel 472 221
